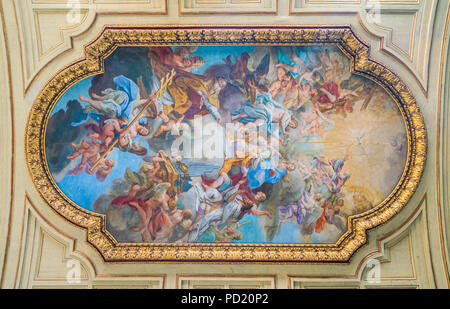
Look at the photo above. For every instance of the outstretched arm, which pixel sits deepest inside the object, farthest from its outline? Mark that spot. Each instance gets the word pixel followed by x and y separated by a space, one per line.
pixel 298 60
pixel 257 212
pixel 331 97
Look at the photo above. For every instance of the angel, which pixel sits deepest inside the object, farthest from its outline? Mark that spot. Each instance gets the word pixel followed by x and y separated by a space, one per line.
pixel 292 213
pixel 266 111
pixel 309 202
pixel 181 58
pixel 239 68
pixel 153 210
pixel 170 125
pixel 126 139
pixel 107 129
pixel 329 59
pixel 182 225
pixel 332 93
pixel 233 93
pixel 293 64
pixel 141 182
pixel 277 87
pixel 307 171
pixel 304 94
pixel 284 119
pixel 334 181
pixel 338 181
pixel 236 206
pixel 90 153
pixel 259 75
pixel 114 103
pixel 229 233
pixel 306 86
pixel 229 94
pixel 248 205
pixel 284 90
pixel 331 215
pixel 313 121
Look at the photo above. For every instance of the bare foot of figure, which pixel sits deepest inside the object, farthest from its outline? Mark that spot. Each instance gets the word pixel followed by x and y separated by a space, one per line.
pixel 144 236
pixel 83 98
pixel 138 229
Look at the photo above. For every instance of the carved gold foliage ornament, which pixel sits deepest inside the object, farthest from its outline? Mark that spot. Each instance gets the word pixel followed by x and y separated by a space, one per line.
pixel 92 64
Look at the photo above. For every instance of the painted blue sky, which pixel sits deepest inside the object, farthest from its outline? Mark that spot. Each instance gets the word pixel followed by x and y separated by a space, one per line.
pixel 85 189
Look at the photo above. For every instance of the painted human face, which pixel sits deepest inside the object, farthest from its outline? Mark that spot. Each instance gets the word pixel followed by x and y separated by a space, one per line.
pixel 123 141
pixel 143 131
pixel 291 167
pixel 187 62
pixel 280 73
pixel 222 83
pixel 260 197
pixel 292 125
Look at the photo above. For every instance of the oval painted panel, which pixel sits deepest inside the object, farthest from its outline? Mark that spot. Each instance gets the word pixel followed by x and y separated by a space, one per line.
pixel 243 144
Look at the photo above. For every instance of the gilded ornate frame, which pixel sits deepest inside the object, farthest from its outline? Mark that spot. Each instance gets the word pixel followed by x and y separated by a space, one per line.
pixel 111 37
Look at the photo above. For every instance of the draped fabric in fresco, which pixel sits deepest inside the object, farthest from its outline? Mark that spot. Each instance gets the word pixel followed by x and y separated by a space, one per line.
pixel 245 144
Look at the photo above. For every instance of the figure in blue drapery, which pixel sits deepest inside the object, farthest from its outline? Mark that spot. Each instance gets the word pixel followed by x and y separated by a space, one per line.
pixel 113 103
pixel 262 113
pixel 250 113
pixel 264 172
pixel 292 66
pixel 266 168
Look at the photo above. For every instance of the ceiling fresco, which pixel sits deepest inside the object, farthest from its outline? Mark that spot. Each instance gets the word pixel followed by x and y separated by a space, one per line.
pixel 264 141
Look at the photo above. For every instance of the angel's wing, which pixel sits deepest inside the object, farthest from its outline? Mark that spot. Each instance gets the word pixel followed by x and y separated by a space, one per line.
pixel 217 70
pixel 264 65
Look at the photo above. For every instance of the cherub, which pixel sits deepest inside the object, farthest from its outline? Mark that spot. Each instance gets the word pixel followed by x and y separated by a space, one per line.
pixel 279 87
pixel 332 93
pixel 306 87
pixel 90 154
pixel 182 224
pixel 284 119
pixel 329 59
pixel 152 209
pixel 129 134
pixel 181 58
pixel 140 183
pixel 313 121
pixel 107 131
pixel 293 64
pixel 170 125
pixel 228 233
